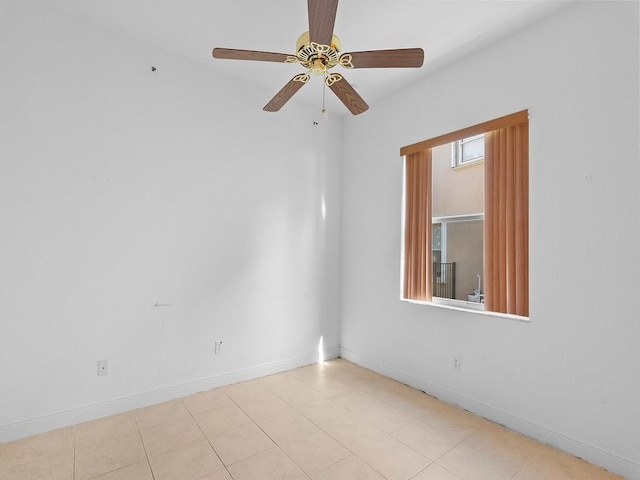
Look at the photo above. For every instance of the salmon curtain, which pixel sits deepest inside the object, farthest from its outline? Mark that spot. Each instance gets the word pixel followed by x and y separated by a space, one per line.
pixel 506 221
pixel 417 234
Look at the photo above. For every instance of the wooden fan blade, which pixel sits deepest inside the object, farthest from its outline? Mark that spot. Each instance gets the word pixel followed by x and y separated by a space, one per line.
pixel 347 95
pixel 322 17
pixel 232 54
pixel 401 58
pixel 283 96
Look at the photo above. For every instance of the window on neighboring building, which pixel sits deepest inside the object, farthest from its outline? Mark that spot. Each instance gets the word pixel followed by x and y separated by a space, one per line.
pixel 467 151
pixel 496 234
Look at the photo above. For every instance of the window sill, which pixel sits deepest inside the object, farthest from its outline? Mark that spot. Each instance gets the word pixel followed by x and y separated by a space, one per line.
pixel 472 163
pixel 463 306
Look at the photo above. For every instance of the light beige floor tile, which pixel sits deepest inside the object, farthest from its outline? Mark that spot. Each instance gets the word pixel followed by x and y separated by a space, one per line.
pixel 551 464
pixel 278 381
pixel 394 460
pixel 257 401
pixel 435 472
pixel 221 474
pixel 410 400
pixel 291 424
pixel 353 432
pixel 492 453
pixel 222 419
pixel 269 465
pixel 349 468
pixel 51 446
pixel 244 389
pixel 357 401
pixel 47 456
pixel 292 391
pixel 51 469
pixel 310 372
pixel 97 430
pixel 416 405
pixel 107 455
pixel 137 471
pixel 387 388
pixel 311 448
pixel 170 436
pixel 454 415
pixel 386 417
pixel 166 412
pixel 352 376
pixel 322 378
pixel 322 410
pixel 307 444
pixel 235 445
pixel 205 401
pixel 191 463
pixel 330 387
pixel 354 369
pixel 355 377
pixel 434 435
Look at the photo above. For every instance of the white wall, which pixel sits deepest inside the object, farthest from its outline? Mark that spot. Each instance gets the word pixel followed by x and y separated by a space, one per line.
pixel 570 376
pixel 121 188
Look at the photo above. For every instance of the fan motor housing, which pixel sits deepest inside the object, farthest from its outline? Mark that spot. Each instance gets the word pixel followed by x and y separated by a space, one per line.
pixel 315 56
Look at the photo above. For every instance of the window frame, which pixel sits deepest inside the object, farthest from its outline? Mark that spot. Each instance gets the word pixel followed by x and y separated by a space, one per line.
pixel 444 220
pixel 513 124
pixel 457 152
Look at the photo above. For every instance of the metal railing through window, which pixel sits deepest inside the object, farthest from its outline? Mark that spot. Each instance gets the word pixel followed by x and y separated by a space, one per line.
pixel 444 280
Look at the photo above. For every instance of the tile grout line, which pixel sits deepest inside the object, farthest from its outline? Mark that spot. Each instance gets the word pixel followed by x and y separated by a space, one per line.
pixel 331 436
pixel 131 412
pixel 204 434
pixel 74 452
pixel 526 464
pixel 144 447
pixel 322 430
pixel 268 436
pixel 417 419
pixel 385 403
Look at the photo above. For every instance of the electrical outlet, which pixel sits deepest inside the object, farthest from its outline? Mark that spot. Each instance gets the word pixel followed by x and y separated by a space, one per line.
pixel 218 349
pixel 103 367
pixel 456 363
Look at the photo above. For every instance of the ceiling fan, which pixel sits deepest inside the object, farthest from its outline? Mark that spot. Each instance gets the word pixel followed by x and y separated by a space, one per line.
pixel 319 50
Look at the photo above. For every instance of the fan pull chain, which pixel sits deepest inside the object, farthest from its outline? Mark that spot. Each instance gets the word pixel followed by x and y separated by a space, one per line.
pixel 324 89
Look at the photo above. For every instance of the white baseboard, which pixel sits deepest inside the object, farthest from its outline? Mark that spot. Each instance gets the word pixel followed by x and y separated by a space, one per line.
pixel 67 418
pixel 614 463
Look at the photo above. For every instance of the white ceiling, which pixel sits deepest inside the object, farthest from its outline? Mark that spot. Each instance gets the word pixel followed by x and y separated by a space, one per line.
pixel 446 30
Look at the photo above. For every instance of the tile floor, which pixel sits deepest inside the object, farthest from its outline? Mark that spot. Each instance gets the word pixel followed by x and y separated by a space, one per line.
pixel 327 421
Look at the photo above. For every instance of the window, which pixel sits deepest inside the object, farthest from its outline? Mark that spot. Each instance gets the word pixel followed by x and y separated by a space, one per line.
pixel 504 277
pixel 457 217
pixel 467 151
pixel 457 246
